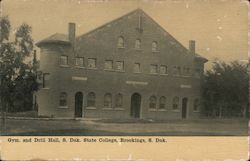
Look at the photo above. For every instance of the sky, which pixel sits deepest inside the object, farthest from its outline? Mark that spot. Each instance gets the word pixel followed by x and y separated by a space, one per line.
pixel 219 27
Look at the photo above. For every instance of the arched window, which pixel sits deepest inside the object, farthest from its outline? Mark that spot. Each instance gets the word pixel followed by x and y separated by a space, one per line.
pixel 120 43
pixel 137 44
pixel 162 104
pixel 152 102
pixel 196 104
pixel 91 99
pixel 63 99
pixel 108 100
pixel 175 103
pixel 154 46
pixel 118 100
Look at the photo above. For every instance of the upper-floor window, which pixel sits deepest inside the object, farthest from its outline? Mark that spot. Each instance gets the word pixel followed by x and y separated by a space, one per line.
pixel 118 100
pixel 120 43
pixel 163 69
pixel 63 60
pixel 46 77
pixel 153 69
pixel 154 46
pixel 152 102
pixel 177 70
pixel 108 100
pixel 175 103
pixel 138 44
pixel 91 99
pixel 196 104
pixel 63 99
pixel 120 65
pixel 197 73
pixel 186 71
pixel 91 63
pixel 108 64
pixel 162 104
pixel 137 68
pixel 79 61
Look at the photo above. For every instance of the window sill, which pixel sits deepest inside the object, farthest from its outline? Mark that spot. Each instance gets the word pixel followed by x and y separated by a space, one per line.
pixel 92 68
pixel 175 110
pixel 109 70
pixel 119 109
pixel 137 72
pixel 121 47
pixel 107 108
pixel 64 66
pixel 137 49
pixel 151 109
pixel 163 74
pixel 121 71
pixel 90 108
pixel 63 107
pixel 156 51
pixel 162 110
pixel 79 67
pixel 153 73
pixel 45 88
pixel 196 111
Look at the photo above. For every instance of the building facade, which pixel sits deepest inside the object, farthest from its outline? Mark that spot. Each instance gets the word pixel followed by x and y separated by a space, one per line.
pixel 128 68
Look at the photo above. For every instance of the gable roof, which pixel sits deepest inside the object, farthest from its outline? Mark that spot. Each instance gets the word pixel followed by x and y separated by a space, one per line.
pixel 55 38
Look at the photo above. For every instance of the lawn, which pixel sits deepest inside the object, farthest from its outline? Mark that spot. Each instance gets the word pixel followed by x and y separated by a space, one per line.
pixel 107 127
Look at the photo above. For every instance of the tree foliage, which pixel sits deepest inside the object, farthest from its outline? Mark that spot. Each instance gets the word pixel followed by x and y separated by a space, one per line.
pixel 225 90
pixel 18 75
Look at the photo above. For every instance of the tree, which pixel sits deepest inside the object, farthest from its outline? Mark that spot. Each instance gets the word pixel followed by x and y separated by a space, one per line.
pixel 18 75
pixel 225 90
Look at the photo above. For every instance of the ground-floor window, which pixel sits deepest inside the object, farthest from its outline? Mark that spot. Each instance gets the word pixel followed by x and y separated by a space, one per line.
pixel 91 99
pixel 175 103
pixel 152 102
pixel 196 104
pixel 118 100
pixel 108 100
pixel 63 99
pixel 162 104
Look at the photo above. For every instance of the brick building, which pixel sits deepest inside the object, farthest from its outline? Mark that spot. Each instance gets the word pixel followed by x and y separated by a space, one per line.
pixel 128 68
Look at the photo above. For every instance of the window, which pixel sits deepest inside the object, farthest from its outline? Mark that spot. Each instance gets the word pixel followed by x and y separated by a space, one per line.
pixel 162 102
pixel 176 103
pixel 153 69
pixel 79 61
pixel 186 71
pixel 91 99
pixel 197 73
pixel 118 100
pixel 177 70
pixel 108 100
pixel 46 78
pixel 138 44
pixel 120 43
pixel 196 104
pixel 154 46
pixel 63 60
pixel 137 68
pixel 120 65
pixel 63 99
pixel 91 63
pixel 163 69
pixel 152 102
pixel 108 64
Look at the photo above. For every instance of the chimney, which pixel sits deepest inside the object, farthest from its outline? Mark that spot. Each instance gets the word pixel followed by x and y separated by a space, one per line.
pixel 192 46
pixel 72 33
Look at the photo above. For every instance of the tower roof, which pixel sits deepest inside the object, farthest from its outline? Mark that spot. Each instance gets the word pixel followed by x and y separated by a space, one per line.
pixel 56 38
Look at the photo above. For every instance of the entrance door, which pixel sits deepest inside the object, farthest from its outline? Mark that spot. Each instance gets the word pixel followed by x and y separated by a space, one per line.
pixel 78 104
pixel 135 105
pixel 184 107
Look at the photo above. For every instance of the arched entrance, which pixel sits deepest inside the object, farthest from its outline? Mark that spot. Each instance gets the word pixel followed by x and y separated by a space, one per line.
pixel 78 104
pixel 184 107
pixel 135 105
